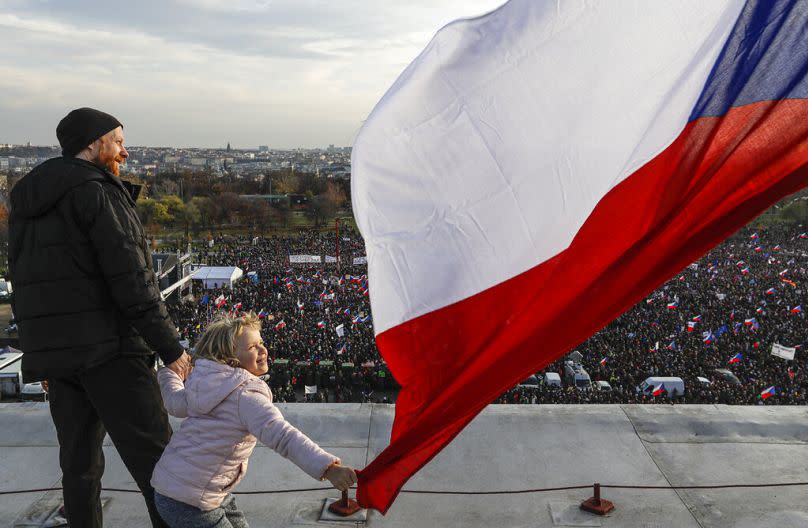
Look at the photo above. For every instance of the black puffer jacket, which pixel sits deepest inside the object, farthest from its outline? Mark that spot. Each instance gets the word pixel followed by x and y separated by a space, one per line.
pixel 84 286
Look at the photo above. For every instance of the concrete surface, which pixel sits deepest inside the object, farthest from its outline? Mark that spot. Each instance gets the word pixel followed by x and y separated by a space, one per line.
pixel 507 447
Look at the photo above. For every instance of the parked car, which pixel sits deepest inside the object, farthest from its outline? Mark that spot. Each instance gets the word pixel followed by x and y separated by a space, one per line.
pixel 532 382
pixel 552 379
pixel 576 376
pixel 33 392
pixel 603 386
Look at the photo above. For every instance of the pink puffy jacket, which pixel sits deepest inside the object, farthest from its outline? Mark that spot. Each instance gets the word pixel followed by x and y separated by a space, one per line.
pixel 225 409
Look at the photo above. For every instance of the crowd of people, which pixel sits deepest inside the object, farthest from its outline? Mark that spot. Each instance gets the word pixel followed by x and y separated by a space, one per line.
pixel 725 311
pixel 317 323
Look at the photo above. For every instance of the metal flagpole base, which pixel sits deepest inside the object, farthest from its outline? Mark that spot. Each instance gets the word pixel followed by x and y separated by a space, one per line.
pixel 597 505
pixel 344 507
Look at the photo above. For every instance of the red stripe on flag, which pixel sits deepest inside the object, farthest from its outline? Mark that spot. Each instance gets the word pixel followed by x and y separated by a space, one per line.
pixel 719 174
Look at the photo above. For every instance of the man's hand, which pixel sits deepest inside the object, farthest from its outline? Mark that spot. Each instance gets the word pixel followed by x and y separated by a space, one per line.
pixel 182 367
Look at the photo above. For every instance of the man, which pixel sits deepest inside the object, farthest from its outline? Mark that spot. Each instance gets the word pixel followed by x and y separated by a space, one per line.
pixel 89 311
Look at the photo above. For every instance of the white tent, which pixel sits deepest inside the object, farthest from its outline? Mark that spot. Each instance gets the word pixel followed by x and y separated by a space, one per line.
pixel 217 276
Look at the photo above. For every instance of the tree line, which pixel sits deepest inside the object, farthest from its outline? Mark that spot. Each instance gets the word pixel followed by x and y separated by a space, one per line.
pixel 199 200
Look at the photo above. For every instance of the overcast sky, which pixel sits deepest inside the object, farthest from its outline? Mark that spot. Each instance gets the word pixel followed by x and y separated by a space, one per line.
pixel 283 73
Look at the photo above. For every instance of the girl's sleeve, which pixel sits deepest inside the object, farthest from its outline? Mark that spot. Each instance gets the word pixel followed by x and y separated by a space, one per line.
pixel 173 391
pixel 263 420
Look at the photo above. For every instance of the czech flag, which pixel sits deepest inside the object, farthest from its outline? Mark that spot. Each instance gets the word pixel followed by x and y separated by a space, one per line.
pixel 750 322
pixel 770 291
pixel 220 301
pixel 673 306
pixel 803 235
pixel 659 390
pixel 759 311
pixel 768 392
pixel 691 325
pixel 603 361
pixel 753 236
pixel 537 171
pixel 263 313
pixel 736 358
pixel 797 309
pixel 745 271
pixel 697 318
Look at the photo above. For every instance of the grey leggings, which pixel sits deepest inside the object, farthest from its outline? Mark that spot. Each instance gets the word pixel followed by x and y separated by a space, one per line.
pixel 180 515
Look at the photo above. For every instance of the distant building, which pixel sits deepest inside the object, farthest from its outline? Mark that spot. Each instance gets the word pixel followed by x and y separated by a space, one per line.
pixel 263 148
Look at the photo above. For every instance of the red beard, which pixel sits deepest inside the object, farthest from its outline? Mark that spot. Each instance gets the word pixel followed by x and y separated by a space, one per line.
pixel 110 162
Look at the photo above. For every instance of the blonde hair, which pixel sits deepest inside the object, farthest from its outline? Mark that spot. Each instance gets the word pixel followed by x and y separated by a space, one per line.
pixel 218 341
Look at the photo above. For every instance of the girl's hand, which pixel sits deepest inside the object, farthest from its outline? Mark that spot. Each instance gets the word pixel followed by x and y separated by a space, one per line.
pixel 341 477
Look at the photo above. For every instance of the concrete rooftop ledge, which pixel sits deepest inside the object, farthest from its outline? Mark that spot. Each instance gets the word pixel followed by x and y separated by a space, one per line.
pixel 507 447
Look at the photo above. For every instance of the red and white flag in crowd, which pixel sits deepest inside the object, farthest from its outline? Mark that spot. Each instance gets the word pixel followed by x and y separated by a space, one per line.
pixel 537 171
pixel 220 301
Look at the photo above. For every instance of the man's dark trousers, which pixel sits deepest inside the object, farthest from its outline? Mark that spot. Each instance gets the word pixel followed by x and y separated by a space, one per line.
pixel 120 397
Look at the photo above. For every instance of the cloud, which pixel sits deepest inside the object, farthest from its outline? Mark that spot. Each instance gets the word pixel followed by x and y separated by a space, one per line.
pixel 278 72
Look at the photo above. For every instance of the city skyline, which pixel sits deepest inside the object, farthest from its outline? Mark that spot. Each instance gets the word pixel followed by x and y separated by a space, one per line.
pixel 201 73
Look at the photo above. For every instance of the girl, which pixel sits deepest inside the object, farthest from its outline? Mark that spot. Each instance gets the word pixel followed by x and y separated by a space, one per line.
pixel 227 407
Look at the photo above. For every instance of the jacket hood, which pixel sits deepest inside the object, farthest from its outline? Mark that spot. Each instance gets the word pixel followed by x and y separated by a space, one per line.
pixel 210 383
pixel 42 188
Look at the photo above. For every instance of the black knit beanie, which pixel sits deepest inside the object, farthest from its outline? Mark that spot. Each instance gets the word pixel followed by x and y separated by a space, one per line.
pixel 81 127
